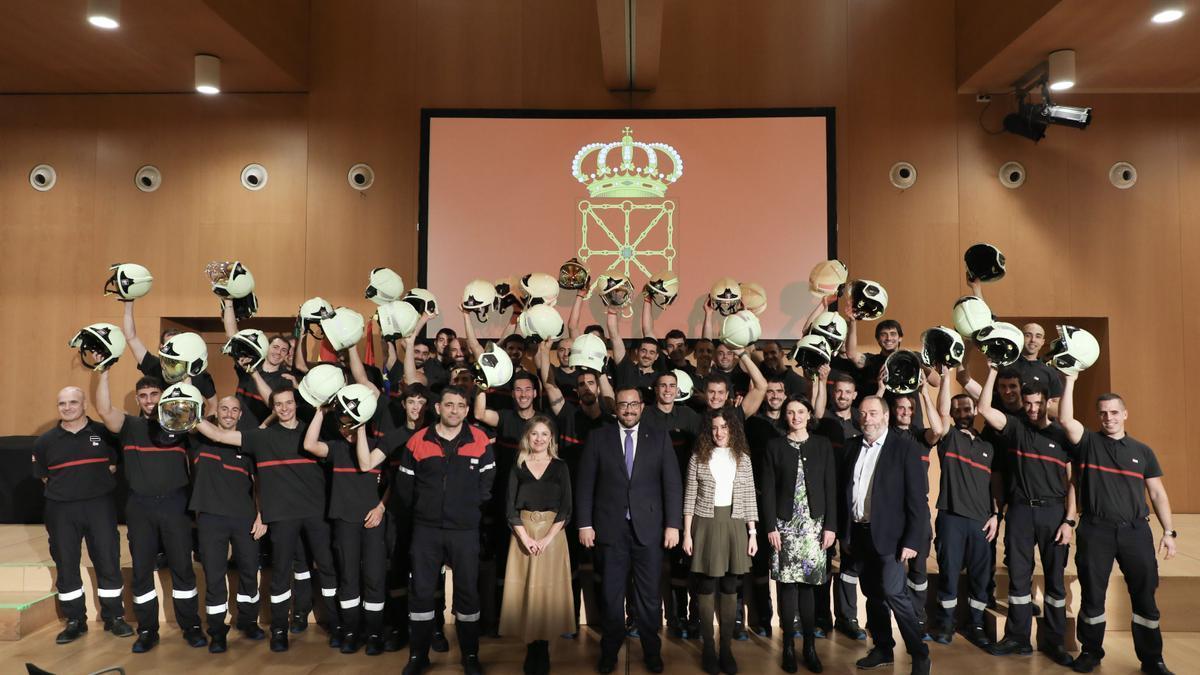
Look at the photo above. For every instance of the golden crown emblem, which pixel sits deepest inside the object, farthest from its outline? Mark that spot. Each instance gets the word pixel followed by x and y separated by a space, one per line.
pixel 627 179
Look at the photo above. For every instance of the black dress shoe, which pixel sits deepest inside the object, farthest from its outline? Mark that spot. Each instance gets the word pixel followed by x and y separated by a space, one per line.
pixel 1156 668
pixel 921 666
pixel 729 664
pixel 1059 655
pixel 811 661
pixel 471 665
pixel 145 642
pixel 279 641
pixel 851 629
pixel 708 659
pixel 218 645
pixel 350 643
pixel 299 624
pixel 876 658
pixel 195 637
pixel 761 631
pixel 416 665
pixel 375 645
pixel 654 663
pixel 943 635
pixel 75 628
pixel 253 632
pixel 118 627
pixel 788 663
pixel 335 638
pixel 1086 662
pixel 1009 646
pixel 439 643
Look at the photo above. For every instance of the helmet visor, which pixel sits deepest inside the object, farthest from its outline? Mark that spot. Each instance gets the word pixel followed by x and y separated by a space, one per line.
pixel 572 276
pixel 173 370
pixel 617 297
pixel 179 415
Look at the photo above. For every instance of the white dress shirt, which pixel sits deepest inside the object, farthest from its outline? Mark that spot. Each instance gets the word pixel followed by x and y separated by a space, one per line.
pixel 723 467
pixel 864 473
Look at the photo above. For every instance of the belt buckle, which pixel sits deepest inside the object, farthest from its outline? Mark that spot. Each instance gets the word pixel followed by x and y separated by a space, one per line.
pixel 1037 502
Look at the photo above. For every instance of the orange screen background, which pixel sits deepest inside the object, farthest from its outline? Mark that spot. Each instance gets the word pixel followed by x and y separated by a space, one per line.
pixel 751 204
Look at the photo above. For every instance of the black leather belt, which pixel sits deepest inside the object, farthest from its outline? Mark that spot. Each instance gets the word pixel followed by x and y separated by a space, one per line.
pixel 1042 501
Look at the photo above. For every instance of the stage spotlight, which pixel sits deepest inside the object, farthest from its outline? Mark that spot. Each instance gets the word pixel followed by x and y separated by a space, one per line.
pixel 1026 122
pixel 1067 115
pixel 104 13
pixel 1167 11
pixel 1062 69
pixel 208 74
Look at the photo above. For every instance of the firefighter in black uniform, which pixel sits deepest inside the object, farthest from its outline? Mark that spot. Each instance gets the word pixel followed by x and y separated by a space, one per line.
pixel 1041 512
pixel 156 466
pixel 357 515
pixel 968 516
pixel 292 493
pixel 839 424
pixel 445 478
pixel 76 460
pixel 1115 472
pixel 226 515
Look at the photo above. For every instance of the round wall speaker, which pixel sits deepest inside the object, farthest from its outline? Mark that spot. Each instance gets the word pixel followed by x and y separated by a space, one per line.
pixel 361 176
pixel 43 177
pixel 148 178
pixel 903 175
pixel 1012 175
pixel 254 177
pixel 1122 175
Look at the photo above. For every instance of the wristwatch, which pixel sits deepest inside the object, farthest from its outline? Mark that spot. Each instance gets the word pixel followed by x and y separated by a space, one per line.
pixel 1070 522
pixel 1174 534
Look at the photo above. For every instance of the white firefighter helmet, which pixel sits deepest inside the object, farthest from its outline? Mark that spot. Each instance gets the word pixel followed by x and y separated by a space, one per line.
pixel 321 383
pixel 541 322
pixel 1074 351
pixel 1001 342
pixel 507 294
pixel 971 315
pixel 313 312
pixel 384 286
pixel 726 296
pixel 588 351
pixel 572 275
pixel 832 327
pixel 128 281
pixel 100 345
pixel 344 329
pixel 249 343
pixel 826 277
pixel 902 372
pixel 662 289
pixel 941 346
pixel 615 290
pixel 180 408
pixel 684 384
pixel 539 288
pixel 754 297
pixel 984 263
pixel 478 298
pixel 812 352
pixel 230 279
pixel 868 299
pixel 355 405
pixel 397 320
pixel 741 330
pixel 183 355
pixel 422 301
pixel 494 368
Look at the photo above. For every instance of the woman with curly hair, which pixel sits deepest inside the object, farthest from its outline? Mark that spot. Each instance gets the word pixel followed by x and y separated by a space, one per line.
pixel 719 512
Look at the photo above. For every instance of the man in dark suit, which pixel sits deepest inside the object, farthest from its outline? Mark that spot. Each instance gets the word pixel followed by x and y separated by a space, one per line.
pixel 884 515
pixel 629 503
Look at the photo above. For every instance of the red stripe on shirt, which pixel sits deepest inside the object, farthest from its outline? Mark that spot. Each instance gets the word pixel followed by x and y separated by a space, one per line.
pixel 249 394
pixel 925 458
pixel 964 460
pixel 172 448
pixel 209 455
pixel 279 462
pixel 339 469
pixel 1044 458
pixel 78 462
pixel 1122 472
pixel 571 439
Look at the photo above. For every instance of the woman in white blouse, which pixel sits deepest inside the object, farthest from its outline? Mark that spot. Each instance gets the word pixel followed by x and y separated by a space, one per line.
pixel 719 513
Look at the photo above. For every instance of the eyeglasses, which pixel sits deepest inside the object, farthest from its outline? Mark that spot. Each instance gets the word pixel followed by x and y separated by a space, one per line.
pixel 628 405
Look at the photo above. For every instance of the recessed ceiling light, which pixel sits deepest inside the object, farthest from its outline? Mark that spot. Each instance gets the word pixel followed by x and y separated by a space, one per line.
pixel 1167 11
pixel 104 13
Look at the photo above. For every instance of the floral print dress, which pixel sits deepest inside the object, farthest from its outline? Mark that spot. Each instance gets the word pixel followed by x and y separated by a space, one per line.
pixel 800 558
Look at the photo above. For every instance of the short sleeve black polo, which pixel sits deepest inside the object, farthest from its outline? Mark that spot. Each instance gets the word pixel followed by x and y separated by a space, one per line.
pixel 222 480
pixel 1037 459
pixel 156 460
pixel 966 482
pixel 291 482
pixel 1037 371
pixel 354 492
pixel 75 464
pixel 1112 479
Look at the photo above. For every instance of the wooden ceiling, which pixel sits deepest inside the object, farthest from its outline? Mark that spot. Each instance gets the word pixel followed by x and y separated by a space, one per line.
pixel 1118 49
pixel 49 47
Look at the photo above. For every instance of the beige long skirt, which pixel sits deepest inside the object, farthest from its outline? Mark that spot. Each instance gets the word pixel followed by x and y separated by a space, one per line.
pixel 538 603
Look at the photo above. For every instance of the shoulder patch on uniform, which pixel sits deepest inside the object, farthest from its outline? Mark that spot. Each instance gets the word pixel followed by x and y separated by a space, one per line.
pixel 1135 460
